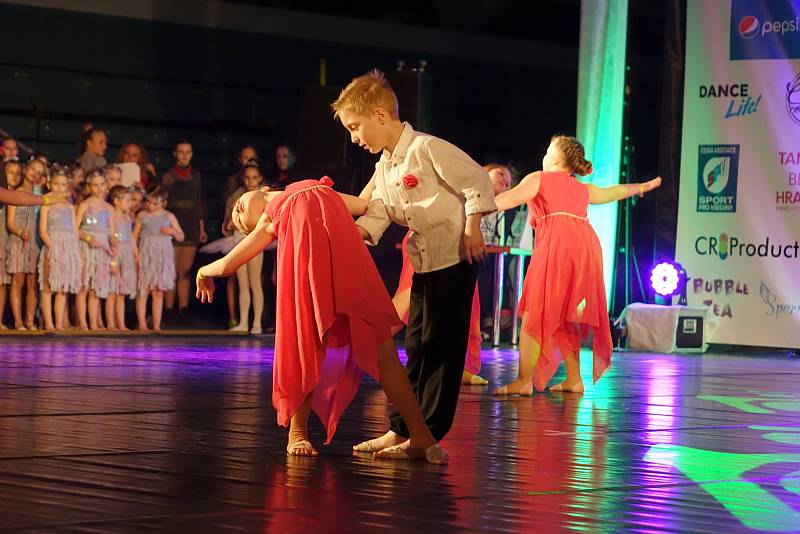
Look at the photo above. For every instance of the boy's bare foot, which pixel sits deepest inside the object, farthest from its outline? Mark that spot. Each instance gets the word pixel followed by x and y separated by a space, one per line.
pixel 299 445
pixel 577 387
pixel 517 387
pixel 469 379
pixel 378 444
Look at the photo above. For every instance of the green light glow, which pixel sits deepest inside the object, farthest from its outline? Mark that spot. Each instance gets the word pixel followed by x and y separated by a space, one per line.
pixel 601 86
pixel 721 475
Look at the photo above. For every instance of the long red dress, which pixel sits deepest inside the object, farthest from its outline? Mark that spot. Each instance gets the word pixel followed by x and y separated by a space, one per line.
pixel 563 293
pixel 333 309
pixel 473 361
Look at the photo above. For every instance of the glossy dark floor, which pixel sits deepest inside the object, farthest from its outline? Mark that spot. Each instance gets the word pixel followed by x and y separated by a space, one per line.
pixel 178 435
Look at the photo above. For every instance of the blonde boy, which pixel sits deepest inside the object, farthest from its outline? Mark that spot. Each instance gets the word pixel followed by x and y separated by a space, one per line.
pixel 439 192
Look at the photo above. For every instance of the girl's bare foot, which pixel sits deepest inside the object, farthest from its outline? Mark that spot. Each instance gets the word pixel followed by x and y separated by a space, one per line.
pixel 20 327
pixel 378 444
pixel 469 379
pixel 299 445
pixel 97 328
pixel 3 327
pixel 517 387
pixel 83 327
pixel 577 387
pixel 49 328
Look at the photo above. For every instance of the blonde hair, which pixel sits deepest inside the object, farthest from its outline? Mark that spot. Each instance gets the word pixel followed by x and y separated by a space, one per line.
pixel 366 93
pixel 574 154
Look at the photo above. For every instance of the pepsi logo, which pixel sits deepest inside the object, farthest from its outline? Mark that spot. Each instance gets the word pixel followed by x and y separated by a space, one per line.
pixel 748 27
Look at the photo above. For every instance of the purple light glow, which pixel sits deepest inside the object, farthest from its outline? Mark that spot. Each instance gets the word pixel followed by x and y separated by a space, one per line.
pixel 665 278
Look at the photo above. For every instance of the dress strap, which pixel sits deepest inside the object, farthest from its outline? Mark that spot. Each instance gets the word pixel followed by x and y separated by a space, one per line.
pixel 562 213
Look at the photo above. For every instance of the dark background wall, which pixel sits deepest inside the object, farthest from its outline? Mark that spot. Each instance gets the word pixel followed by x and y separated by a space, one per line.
pixel 503 75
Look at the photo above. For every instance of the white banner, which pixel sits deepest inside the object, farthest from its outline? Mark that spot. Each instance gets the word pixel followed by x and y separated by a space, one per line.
pixel 739 207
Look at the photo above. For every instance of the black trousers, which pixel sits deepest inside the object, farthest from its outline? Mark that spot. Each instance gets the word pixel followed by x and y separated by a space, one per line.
pixel 436 343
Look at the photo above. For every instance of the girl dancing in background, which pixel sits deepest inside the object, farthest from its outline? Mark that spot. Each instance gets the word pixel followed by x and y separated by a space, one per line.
pixel 563 295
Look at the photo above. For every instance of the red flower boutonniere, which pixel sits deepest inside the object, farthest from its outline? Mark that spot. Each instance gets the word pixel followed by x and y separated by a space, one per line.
pixel 326 180
pixel 410 181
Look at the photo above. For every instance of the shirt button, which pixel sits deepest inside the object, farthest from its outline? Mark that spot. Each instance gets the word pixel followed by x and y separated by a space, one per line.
pixel 397 184
pixel 478 195
pixel 422 250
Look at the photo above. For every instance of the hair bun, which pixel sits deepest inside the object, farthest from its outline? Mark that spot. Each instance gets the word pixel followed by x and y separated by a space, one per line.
pixel 584 168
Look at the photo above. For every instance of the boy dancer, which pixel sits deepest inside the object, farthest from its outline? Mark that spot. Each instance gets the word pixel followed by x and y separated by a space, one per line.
pixel 440 193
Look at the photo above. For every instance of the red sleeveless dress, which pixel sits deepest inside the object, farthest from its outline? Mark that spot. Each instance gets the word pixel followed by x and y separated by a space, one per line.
pixel 328 289
pixel 473 361
pixel 563 293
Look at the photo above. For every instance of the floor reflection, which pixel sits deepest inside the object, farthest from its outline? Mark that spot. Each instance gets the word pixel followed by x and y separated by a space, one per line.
pixel 178 435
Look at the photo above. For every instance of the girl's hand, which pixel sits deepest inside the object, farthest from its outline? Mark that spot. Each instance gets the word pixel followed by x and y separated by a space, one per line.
pixel 115 269
pixel 136 256
pixel 205 288
pixel 649 186
pixel 203 236
pixel 25 237
pixel 94 243
pixel 166 230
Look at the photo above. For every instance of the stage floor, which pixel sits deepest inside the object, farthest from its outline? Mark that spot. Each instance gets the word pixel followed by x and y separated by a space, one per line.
pixel 178 435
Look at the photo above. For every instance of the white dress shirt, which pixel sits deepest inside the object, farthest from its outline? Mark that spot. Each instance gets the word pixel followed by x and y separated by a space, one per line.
pixel 450 187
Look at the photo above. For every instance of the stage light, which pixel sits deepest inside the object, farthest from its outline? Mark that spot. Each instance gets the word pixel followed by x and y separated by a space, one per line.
pixel 668 279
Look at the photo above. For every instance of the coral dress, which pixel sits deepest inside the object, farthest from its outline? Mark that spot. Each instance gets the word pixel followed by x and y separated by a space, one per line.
pixel 563 293
pixel 333 309
pixel 473 361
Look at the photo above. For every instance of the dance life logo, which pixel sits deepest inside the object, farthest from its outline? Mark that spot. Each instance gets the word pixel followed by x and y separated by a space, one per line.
pixel 718 174
pixel 793 99
pixel 748 27
pixel 741 101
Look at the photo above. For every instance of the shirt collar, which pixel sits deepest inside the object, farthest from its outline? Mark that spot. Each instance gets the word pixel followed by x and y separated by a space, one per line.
pixel 399 152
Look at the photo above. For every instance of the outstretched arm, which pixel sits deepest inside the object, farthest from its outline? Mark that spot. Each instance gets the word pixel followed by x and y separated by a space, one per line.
pixel 603 195
pixel 23 198
pixel 356 205
pixel 247 249
pixel 524 191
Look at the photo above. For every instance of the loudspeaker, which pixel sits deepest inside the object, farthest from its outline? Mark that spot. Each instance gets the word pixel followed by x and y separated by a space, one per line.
pixel 321 140
pixel 665 328
pixel 414 90
pixel 690 332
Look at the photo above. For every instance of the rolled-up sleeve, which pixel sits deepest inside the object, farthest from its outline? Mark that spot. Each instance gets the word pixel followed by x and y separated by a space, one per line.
pixel 463 174
pixel 375 221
